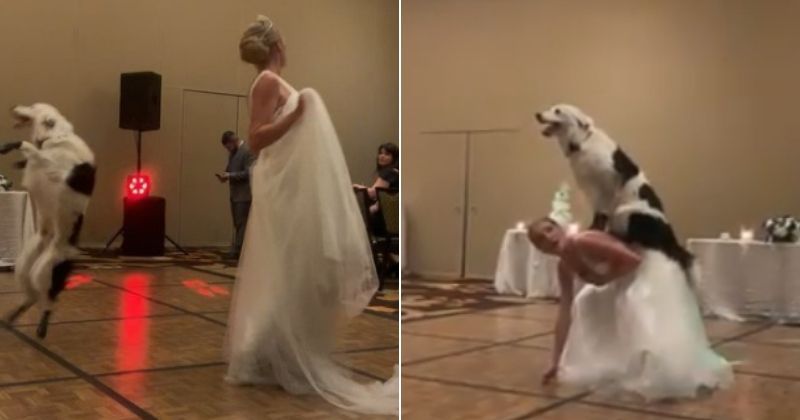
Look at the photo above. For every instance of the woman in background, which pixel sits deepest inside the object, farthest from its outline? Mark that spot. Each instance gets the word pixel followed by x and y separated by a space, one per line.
pixel 387 174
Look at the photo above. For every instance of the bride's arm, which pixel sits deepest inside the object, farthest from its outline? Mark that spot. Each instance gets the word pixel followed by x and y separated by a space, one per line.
pixel 564 318
pixel 264 129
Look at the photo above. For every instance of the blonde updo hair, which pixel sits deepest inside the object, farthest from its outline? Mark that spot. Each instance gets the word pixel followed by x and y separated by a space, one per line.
pixel 258 41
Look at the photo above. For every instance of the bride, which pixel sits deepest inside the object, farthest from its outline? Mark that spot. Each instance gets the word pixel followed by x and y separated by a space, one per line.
pixel 635 325
pixel 306 264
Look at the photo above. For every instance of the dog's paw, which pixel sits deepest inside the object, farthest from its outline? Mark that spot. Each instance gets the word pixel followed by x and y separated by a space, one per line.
pixel 41 331
pixel 28 148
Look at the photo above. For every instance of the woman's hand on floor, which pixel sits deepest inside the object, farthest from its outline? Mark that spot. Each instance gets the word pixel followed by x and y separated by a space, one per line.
pixel 550 375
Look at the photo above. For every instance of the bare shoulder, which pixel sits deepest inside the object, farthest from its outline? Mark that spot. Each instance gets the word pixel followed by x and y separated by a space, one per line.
pixel 592 237
pixel 267 82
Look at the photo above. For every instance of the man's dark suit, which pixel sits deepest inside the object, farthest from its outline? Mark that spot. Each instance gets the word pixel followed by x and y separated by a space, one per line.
pixel 238 169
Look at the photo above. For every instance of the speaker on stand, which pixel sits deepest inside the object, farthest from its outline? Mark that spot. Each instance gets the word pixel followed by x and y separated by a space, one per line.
pixel 143 226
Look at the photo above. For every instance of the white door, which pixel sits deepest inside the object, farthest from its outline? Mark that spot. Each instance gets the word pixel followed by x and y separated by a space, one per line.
pixel 205 215
pixel 433 195
pixel 502 191
pixel 243 117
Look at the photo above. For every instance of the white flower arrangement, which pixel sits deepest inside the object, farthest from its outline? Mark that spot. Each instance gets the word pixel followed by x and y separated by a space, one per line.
pixel 560 207
pixel 5 184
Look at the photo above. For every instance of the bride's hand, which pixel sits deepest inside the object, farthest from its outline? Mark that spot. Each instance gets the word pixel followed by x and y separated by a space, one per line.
pixel 550 375
pixel 301 106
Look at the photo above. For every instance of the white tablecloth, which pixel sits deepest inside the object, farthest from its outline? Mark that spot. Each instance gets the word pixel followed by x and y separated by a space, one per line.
pixel 16 224
pixel 524 270
pixel 749 278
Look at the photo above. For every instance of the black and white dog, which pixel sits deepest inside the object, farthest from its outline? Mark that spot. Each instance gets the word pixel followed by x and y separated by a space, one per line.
pixel 59 175
pixel 623 200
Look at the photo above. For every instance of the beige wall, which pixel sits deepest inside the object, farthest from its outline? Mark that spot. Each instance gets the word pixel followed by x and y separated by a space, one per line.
pixel 701 93
pixel 71 53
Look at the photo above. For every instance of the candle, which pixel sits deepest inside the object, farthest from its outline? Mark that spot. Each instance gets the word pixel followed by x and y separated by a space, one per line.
pixel 573 228
pixel 746 234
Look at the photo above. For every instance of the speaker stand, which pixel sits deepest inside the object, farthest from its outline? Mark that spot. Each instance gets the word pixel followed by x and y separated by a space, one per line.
pixel 175 244
pixel 122 229
pixel 138 171
pixel 113 238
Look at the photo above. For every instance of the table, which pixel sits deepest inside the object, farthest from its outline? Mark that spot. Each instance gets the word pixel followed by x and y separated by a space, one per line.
pixel 524 270
pixel 16 225
pixel 749 278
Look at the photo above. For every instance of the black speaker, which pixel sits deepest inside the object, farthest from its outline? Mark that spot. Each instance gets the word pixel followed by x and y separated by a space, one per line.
pixel 143 224
pixel 140 101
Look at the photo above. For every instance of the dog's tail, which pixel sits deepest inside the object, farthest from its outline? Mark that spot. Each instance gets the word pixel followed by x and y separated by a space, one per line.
pixel 674 249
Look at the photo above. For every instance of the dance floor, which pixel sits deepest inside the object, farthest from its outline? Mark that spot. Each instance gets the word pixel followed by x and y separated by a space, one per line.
pixel 486 363
pixel 139 339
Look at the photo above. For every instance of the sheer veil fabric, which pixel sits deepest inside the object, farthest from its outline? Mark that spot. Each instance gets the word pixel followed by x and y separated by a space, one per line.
pixel 306 266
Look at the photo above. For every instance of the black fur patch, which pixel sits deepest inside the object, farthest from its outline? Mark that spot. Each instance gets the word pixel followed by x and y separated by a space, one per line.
pixel 572 148
pixel 59 281
pixel 624 166
pixel 654 233
pixel 81 178
pixel 76 230
pixel 647 193
pixel 599 222
pixel 41 331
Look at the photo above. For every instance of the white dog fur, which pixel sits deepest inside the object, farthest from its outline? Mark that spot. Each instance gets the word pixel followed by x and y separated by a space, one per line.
pixel 607 176
pixel 59 176
pixel 622 198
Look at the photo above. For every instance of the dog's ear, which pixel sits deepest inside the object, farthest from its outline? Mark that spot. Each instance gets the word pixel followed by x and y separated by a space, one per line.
pixel 49 123
pixel 585 122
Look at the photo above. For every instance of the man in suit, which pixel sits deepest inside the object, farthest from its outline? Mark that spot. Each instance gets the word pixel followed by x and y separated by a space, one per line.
pixel 237 174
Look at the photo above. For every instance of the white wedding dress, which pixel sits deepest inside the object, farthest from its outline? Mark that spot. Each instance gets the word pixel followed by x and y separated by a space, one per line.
pixel 642 334
pixel 306 264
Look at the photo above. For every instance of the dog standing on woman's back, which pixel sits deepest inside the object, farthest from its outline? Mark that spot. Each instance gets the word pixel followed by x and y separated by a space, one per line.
pixel 59 175
pixel 622 197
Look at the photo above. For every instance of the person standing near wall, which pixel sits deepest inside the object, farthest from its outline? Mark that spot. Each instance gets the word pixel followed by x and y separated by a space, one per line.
pixel 237 175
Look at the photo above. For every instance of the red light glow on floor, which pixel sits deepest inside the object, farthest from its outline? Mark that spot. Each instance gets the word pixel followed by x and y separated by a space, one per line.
pixel 78 280
pixel 203 288
pixel 133 331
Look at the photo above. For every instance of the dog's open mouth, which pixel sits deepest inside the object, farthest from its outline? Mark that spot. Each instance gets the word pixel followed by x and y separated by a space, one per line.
pixel 550 127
